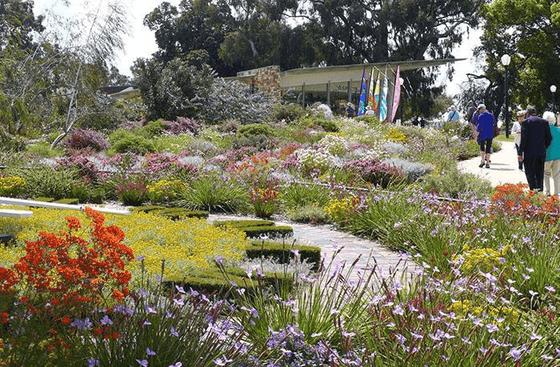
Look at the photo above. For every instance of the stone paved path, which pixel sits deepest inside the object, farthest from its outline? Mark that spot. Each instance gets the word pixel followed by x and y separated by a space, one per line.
pixel 351 247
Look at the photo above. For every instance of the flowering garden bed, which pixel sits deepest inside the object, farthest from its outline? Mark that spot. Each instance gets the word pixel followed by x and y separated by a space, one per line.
pixel 97 293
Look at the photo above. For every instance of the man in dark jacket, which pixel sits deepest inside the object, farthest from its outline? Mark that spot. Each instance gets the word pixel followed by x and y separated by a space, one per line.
pixel 535 139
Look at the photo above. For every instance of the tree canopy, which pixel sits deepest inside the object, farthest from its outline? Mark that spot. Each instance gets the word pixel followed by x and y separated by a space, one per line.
pixel 246 34
pixel 529 32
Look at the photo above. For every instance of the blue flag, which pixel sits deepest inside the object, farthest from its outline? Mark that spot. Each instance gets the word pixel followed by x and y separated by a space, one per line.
pixel 363 91
pixel 384 90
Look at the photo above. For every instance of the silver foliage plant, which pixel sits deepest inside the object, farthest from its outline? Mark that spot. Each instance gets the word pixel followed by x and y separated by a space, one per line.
pixel 235 100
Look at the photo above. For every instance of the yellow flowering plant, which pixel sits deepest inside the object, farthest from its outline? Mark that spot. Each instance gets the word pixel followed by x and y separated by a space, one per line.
pixel 184 245
pixel 11 186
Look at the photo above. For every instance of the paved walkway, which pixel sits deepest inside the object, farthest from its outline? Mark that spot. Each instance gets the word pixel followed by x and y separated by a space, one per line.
pixel 503 166
pixel 503 169
pixel 350 248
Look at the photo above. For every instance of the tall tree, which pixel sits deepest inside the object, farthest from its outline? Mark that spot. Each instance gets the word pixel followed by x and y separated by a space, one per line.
pixel 529 32
pixel 17 23
pixel 193 25
pixel 394 30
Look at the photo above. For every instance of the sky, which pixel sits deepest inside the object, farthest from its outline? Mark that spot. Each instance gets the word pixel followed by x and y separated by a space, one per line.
pixel 141 41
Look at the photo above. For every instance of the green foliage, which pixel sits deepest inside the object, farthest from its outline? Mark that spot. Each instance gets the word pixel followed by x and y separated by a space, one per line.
pixel 126 141
pixel 213 193
pixel 300 195
pixel 151 129
pixel 43 149
pixel 310 213
pixel 45 181
pixel 457 185
pixel 286 112
pixel 283 253
pixel 172 89
pixel 255 129
pixel 244 223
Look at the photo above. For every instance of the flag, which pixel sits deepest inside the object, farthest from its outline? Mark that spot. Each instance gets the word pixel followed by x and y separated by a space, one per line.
pixel 371 100
pixel 383 103
pixel 363 90
pixel 396 94
pixel 376 94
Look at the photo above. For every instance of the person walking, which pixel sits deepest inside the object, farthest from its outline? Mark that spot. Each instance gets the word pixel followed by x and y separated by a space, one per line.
pixel 552 162
pixel 485 130
pixel 516 132
pixel 470 111
pixel 535 139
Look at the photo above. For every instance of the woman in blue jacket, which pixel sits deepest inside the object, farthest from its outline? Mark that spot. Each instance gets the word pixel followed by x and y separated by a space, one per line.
pixel 485 129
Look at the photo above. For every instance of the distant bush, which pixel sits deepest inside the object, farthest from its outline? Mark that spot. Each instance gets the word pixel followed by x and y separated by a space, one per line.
pixel 412 170
pixel 255 129
pixel 376 172
pixel 124 141
pixel 182 125
pixel 286 112
pixel 85 138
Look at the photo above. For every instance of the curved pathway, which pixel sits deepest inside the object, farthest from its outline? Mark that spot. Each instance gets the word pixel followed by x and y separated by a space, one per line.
pixel 503 169
pixel 368 254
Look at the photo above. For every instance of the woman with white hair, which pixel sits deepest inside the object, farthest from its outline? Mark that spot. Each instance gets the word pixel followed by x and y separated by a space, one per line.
pixel 552 163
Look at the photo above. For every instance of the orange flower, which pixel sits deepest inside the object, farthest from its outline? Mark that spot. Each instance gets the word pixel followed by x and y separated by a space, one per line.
pixel 66 320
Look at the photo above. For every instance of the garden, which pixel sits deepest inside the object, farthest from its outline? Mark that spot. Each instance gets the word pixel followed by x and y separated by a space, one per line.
pixel 93 289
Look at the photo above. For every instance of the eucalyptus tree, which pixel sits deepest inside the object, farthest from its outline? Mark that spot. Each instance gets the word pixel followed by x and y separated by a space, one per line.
pixel 17 24
pixel 529 32
pixel 49 79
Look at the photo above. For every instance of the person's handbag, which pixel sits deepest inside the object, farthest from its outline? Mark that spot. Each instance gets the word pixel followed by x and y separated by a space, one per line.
pixel 496 130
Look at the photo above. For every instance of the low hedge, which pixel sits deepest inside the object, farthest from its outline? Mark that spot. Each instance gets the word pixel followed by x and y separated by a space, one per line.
pixel 282 253
pixel 213 282
pixel 256 228
pixel 244 223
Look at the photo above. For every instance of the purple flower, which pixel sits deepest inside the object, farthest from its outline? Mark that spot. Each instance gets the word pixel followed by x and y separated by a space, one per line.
pixel 173 331
pixel 92 362
pixel 142 362
pixel 106 320
pixel 515 353
pixel 178 364
pixel 141 257
pixel 180 289
pixel 150 352
pixel 220 259
pixel 492 328
pixel 82 324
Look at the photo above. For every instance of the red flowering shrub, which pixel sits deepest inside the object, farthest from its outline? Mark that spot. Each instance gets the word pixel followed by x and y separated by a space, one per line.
pixel 63 276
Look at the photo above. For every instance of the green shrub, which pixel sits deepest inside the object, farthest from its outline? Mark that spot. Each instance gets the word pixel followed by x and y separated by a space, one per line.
pixel 244 223
pixel 268 231
pixel 213 193
pixel 283 254
pixel 151 129
pixel 259 141
pixel 134 144
pixel 310 213
pixel 286 112
pixel 72 201
pixel 457 185
pixel 300 195
pixel 43 149
pixel 255 129
pixel 181 213
pixel 45 181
